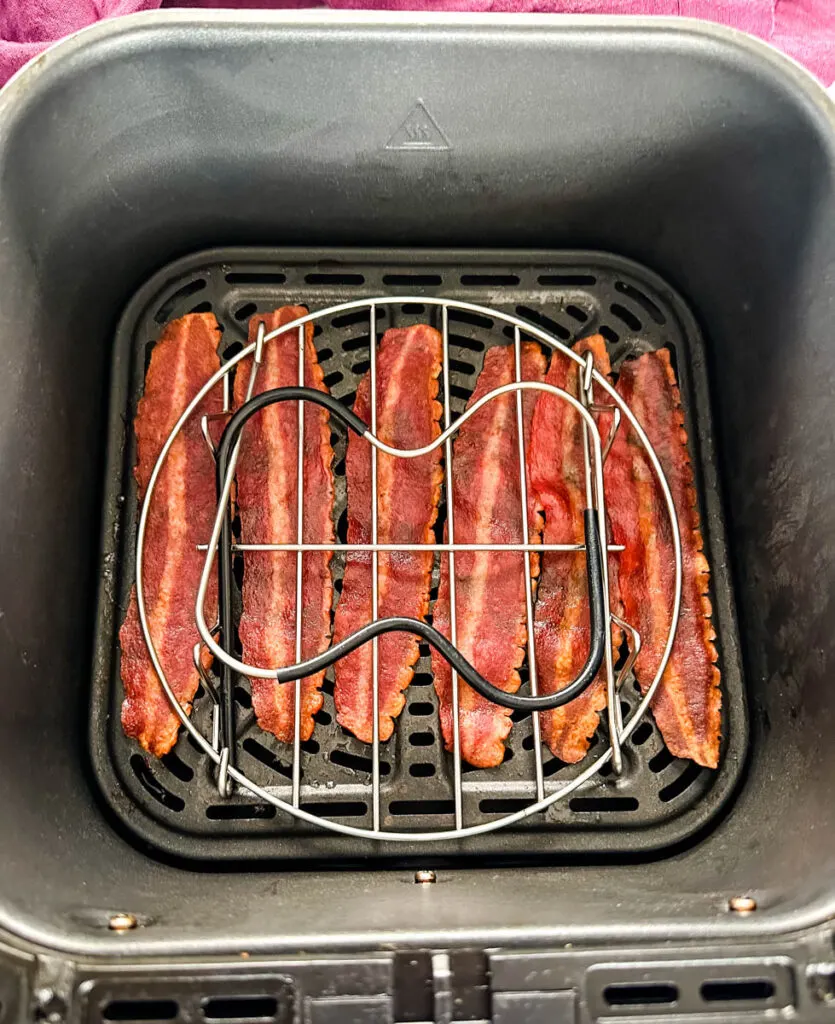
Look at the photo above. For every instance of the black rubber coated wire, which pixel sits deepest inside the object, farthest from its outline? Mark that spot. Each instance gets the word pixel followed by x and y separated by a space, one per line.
pixel 545 702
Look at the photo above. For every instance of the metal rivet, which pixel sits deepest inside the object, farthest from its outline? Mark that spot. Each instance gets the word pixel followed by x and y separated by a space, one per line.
pixel 742 904
pixel 122 922
pixel 425 877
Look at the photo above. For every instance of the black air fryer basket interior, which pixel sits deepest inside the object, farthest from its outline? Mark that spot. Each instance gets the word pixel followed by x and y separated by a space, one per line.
pixel 173 803
pixel 693 152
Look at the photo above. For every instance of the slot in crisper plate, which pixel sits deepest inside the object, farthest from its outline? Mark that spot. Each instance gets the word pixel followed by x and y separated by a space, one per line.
pixel 173 804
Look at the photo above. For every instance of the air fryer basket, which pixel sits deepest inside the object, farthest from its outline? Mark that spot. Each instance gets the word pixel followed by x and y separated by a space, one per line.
pixel 174 802
pixel 692 151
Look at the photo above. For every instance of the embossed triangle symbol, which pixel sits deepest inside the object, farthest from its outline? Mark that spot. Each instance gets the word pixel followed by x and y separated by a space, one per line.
pixel 420 130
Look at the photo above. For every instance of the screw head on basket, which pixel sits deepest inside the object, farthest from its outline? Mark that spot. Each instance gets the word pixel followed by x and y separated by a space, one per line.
pixel 742 904
pixel 122 922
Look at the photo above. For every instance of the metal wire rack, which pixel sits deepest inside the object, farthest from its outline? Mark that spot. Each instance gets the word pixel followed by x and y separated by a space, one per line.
pixel 595 451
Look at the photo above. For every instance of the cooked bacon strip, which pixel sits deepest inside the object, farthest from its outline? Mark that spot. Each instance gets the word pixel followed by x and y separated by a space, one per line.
pixel 491 628
pixel 181 515
pixel 688 701
pixel 408 490
pixel 561 623
pixel 267 495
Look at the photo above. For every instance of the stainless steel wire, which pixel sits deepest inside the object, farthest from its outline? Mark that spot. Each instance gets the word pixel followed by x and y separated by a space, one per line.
pixel 594 468
pixel 523 492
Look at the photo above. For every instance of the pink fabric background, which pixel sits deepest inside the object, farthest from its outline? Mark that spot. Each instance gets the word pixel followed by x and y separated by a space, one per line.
pixel 805 29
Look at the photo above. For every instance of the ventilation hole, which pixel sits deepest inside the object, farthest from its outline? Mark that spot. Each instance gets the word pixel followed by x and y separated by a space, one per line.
pixel 460 367
pixel 349 399
pixel 357 316
pixel 503 805
pixel 459 392
pixel 152 784
pixel 421 708
pixel 266 757
pixel 243 697
pixel 552 767
pixel 199 692
pixel 317 330
pixel 527 743
pixel 201 307
pixel 606 770
pixel 424 649
pixel 591 804
pixel 471 344
pixel 575 279
pixel 240 1008
pixel 626 315
pixel 327 686
pixel 238 570
pixel 545 322
pixel 338 809
pixel 422 679
pixel 650 994
pixel 322 717
pixel 663 759
pixel 413 279
pixel 255 277
pixel 422 739
pixel 413 308
pixel 580 315
pixel 246 311
pixel 333 379
pixel 337 586
pixel 403 807
pixel 363 366
pixel 462 316
pixel 642 299
pixel 690 774
pixel 178 767
pixel 642 734
pixel 141 1009
pixel 608 334
pixel 342 526
pixel 232 350
pixel 334 279
pixel 519 715
pixel 357 763
pixel 339 470
pixel 486 280
pixel 335 438
pixel 170 304
pixel 422 771
pixel 325 354
pixel 508 755
pixel 240 812
pixel 737 989
pixel 353 344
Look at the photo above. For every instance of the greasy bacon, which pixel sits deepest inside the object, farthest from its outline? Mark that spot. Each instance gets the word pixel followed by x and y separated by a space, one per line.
pixel 408 490
pixel 181 515
pixel 489 586
pixel 267 495
pixel 687 704
pixel 561 621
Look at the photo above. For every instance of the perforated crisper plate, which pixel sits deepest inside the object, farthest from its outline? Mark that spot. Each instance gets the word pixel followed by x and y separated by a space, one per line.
pixel 173 804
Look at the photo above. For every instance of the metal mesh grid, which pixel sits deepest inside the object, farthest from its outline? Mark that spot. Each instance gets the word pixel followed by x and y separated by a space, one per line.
pixel 657 796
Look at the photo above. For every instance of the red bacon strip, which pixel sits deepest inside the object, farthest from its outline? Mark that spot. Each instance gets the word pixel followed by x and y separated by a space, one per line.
pixel 408 490
pixel 687 705
pixel 267 495
pixel 489 586
pixel 181 515
pixel 561 623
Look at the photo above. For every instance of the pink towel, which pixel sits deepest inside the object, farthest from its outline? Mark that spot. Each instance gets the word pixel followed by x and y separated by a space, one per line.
pixel 805 29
